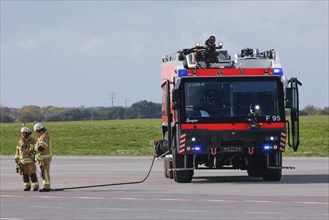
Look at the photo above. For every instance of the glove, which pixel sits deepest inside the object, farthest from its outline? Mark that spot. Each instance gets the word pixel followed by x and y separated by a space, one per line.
pixel 32 156
pixel 39 148
pixel 16 160
pixel 17 169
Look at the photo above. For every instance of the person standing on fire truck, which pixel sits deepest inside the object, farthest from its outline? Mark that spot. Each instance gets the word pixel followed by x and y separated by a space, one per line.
pixel 24 159
pixel 209 55
pixel 43 155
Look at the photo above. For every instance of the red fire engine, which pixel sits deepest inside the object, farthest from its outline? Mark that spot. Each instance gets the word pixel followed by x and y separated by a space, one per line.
pixel 220 112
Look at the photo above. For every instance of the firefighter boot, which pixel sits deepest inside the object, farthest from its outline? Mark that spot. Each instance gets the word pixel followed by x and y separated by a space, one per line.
pixel 34 181
pixel 27 184
pixel 27 188
pixel 36 188
pixel 44 190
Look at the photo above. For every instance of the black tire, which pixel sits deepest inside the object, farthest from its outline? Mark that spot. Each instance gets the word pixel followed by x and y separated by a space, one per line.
pixel 168 164
pixel 165 167
pixel 169 171
pixel 256 166
pixel 182 176
pixel 275 160
pixel 255 172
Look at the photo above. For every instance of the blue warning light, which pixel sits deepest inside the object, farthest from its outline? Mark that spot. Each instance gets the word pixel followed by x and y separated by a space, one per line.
pixel 182 72
pixel 197 147
pixel 267 147
pixel 278 71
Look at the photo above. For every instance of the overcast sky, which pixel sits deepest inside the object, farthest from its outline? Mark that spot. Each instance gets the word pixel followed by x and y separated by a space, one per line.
pixel 74 53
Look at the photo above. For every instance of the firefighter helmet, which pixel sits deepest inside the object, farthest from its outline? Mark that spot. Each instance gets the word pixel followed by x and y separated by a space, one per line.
pixel 211 41
pixel 38 127
pixel 25 130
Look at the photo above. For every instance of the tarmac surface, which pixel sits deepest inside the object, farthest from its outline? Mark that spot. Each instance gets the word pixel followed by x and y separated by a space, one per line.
pixel 302 193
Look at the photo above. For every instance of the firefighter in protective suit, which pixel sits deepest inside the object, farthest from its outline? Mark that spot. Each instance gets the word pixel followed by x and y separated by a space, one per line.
pixel 24 159
pixel 43 155
pixel 209 55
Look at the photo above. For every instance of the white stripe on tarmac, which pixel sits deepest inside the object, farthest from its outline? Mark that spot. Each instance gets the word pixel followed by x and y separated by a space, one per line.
pixel 169 199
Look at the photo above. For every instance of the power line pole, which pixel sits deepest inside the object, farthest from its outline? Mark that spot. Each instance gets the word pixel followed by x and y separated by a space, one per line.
pixel 112 97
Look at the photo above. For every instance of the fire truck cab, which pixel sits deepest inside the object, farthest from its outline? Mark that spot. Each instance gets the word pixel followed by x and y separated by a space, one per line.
pixel 221 112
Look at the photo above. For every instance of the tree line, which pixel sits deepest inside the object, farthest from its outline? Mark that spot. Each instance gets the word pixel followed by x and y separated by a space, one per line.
pixel 312 110
pixel 32 113
pixel 141 109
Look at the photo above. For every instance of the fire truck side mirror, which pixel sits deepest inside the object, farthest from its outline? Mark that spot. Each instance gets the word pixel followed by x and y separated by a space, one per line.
pixel 175 99
pixel 175 95
pixel 288 98
pixel 175 105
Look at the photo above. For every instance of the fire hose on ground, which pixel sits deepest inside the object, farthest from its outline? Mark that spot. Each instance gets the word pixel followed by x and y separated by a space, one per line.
pixel 113 184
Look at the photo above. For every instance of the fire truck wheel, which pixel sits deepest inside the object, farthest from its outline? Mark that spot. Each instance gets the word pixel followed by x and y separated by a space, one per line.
pixel 255 172
pixel 170 172
pixel 275 160
pixel 182 176
pixel 256 166
pixel 165 167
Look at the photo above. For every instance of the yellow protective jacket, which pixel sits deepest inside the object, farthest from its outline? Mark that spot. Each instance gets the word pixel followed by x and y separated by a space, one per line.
pixel 25 149
pixel 45 142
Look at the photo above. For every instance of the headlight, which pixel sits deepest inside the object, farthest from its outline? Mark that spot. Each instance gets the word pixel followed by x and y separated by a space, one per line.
pixel 271 138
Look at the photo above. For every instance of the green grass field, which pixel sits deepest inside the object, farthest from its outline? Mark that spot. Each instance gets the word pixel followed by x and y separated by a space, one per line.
pixel 314 137
pixel 132 137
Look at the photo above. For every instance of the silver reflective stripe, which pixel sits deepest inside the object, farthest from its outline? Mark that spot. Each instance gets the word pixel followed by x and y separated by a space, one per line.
pixel 42 143
pixel 26 160
pixel 42 157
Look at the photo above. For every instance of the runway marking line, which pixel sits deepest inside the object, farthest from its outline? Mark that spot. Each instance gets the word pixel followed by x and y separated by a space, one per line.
pixel 168 199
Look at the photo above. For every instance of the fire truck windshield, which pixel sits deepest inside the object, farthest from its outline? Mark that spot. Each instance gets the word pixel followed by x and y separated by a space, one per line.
pixel 230 99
